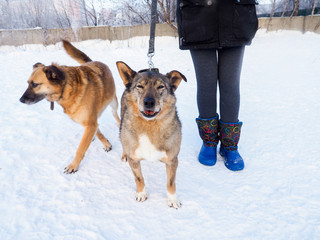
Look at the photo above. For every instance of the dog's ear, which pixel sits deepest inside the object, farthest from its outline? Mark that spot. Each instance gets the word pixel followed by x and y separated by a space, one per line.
pixel 54 74
pixel 126 73
pixel 175 78
pixel 36 65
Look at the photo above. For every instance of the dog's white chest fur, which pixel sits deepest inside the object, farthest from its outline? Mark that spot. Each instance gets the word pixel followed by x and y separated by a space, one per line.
pixel 148 151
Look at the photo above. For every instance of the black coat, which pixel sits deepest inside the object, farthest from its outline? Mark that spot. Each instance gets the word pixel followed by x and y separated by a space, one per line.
pixel 216 23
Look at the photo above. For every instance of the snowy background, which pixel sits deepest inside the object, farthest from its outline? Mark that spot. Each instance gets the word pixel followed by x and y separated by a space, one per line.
pixel 277 196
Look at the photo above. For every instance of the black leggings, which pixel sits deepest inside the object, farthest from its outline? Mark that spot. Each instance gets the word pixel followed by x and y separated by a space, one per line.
pixel 221 66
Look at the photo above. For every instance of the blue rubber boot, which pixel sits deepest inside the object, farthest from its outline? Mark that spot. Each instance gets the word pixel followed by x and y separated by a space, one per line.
pixel 208 131
pixel 229 137
pixel 208 155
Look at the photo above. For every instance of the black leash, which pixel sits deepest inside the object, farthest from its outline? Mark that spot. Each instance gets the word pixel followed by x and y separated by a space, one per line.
pixel 152 33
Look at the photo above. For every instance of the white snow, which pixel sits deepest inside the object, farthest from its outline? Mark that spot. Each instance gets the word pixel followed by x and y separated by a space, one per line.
pixel 277 196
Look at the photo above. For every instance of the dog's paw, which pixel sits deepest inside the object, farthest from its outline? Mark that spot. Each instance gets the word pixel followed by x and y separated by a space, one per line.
pixel 173 201
pixel 141 196
pixel 72 168
pixel 108 148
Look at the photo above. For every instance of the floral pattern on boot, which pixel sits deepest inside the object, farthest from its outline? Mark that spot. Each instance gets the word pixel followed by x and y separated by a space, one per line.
pixel 230 135
pixel 208 131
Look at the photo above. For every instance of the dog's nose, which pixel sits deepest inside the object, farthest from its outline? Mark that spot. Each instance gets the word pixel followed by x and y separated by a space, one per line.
pixel 22 99
pixel 149 103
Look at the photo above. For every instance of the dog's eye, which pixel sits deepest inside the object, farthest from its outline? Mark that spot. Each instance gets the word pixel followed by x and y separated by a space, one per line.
pixel 160 87
pixel 140 86
pixel 34 85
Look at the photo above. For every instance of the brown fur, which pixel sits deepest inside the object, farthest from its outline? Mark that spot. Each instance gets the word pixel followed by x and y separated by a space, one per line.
pixel 83 92
pixel 149 120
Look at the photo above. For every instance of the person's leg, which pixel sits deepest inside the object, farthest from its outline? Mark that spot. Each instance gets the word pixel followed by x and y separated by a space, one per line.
pixel 230 64
pixel 206 68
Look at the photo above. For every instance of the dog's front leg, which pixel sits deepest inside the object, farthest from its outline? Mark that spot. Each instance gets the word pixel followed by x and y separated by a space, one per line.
pixel 105 142
pixel 141 194
pixel 87 137
pixel 171 166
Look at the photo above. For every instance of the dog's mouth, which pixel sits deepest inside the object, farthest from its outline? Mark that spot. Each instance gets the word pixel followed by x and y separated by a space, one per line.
pixel 149 113
pixel 32 99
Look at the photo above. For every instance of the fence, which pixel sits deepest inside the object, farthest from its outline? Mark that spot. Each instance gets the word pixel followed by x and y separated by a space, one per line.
pixel 51 36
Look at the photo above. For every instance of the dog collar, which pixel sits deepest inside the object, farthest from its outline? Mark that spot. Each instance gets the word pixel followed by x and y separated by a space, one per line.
pixel 52 103
pixel 149 70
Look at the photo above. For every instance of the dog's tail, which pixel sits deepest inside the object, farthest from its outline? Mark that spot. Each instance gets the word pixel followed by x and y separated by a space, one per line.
pixel 75 53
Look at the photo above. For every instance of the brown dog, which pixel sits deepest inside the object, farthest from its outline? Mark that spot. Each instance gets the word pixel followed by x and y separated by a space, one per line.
pixel 83 92
pixel 150 128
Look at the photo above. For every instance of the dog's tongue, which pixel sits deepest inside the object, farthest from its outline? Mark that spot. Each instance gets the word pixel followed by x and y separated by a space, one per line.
pixel 148 112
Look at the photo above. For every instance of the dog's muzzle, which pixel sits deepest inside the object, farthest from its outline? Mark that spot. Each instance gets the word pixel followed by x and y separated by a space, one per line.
pixel 149 108
pixel 31 98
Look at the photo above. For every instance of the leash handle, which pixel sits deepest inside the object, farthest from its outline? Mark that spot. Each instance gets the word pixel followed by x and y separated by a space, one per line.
pixel 152 33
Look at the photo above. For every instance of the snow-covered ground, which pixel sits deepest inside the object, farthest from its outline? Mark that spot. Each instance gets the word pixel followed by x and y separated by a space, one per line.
pixel 277 196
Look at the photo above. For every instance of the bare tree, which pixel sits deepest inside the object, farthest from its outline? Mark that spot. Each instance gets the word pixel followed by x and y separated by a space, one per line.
pixel 35 9
pixel 65 13
pixel 273 9
pixel 285 5
pixel 139 12
pixel 314 7
pixel 91 12
pixel 6 15
pixel 295 8
pixel 57 15
pixel 167 12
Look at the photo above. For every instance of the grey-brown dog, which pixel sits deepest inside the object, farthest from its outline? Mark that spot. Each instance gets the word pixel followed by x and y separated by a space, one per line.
pixel 150 128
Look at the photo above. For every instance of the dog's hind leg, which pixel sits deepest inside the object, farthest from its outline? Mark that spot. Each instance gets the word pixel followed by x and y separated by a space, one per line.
pixel 105 142
pixel 87 137
pixel 171 166
pixel 114 105
pixel 141 194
